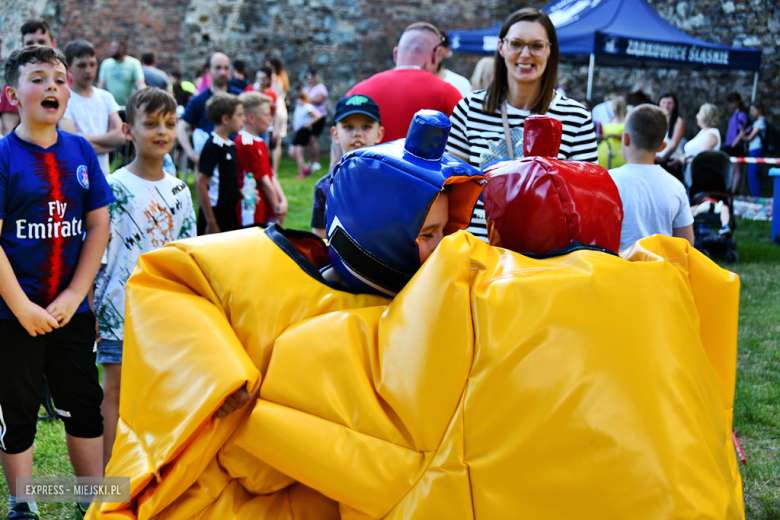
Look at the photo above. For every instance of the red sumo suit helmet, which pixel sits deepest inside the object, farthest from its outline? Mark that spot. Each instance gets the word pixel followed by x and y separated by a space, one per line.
pixel 540 204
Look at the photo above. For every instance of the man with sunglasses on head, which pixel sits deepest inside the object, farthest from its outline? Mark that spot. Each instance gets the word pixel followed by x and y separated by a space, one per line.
pixel 412 85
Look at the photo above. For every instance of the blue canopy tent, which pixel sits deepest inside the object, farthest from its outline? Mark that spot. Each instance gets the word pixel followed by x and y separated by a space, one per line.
pixel 620 33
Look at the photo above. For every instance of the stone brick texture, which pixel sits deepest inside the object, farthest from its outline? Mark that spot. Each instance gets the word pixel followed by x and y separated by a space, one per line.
pixel 349 40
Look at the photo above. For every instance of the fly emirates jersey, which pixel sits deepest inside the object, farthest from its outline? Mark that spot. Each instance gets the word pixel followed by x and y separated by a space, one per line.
pixel 45 195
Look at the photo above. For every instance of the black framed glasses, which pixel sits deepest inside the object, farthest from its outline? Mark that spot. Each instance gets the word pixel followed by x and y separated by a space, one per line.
pixel 535 47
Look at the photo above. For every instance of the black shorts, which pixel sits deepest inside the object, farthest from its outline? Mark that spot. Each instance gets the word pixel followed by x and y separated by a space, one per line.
pixel 66 358
pixel 302 137
pixel 316 128
pixel 226 215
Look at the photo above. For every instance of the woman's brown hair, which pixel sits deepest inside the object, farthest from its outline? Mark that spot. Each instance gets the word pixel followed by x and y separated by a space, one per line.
pixel 496 93
pixel 277 65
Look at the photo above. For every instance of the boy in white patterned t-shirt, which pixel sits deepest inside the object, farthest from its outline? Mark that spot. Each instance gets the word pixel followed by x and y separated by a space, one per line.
pixel 151 210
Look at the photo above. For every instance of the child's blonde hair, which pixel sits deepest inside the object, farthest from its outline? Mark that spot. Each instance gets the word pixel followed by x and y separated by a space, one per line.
pixel 252 101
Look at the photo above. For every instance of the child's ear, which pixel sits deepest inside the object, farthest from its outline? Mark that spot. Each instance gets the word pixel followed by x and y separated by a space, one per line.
pixel 225 119
pixel 10 93
pixel 380 134
pixel 127 132
pixel 662 147
pixel 626 139
pixel 334 132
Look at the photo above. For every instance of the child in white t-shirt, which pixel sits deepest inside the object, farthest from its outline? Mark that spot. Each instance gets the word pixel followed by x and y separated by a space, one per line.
pixel 92 112
pixel 152 209
pixel 304 117
pixel 654 202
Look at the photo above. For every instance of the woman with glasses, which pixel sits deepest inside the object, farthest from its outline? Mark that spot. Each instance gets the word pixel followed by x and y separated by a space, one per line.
pixel 487 125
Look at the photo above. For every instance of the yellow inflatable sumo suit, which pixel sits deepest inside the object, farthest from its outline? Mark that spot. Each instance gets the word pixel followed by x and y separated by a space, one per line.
pixel 494 385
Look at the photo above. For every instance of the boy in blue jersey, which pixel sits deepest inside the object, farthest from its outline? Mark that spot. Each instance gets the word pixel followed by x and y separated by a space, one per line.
pixel 53 231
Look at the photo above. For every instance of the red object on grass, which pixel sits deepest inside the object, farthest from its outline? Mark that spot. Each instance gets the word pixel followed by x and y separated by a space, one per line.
pixel 739 448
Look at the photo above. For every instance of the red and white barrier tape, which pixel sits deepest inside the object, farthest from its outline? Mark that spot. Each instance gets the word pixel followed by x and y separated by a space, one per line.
pixel 740 453
pixel 754 160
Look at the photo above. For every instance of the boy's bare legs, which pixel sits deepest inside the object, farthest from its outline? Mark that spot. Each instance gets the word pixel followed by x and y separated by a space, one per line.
pixel 314 149
pixel 296 152
pixel 16 465
pixel 292 153
pixel 112 377
pixel 86 455
pixel 725 217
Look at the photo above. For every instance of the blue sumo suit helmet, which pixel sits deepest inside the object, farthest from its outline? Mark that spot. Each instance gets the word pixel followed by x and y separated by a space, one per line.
pixel 380 197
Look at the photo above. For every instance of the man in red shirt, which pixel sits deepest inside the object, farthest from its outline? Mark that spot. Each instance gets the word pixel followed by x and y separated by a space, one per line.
pixel 412 85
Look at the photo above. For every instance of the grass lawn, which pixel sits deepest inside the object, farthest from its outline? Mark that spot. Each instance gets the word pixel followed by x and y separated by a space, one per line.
pixel 757 405
pixel 757 399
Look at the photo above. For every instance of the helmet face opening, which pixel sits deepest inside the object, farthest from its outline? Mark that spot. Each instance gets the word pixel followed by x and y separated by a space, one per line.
pixel 379 200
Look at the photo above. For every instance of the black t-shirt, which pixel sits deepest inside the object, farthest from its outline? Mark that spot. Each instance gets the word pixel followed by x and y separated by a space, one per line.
pixel 218 161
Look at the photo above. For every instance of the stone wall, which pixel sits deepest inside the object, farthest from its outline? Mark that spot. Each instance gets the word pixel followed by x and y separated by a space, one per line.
pixel 348 40
pixel 147 25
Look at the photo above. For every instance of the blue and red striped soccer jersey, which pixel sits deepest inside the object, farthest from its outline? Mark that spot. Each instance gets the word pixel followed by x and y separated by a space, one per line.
pixel 45 195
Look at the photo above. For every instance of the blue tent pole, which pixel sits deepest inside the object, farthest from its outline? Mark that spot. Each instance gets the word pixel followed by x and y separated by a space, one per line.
pixel 755 87
pixel 590 75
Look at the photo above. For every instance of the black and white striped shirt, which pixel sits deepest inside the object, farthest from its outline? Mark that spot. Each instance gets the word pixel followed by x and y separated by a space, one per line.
pixel 479 136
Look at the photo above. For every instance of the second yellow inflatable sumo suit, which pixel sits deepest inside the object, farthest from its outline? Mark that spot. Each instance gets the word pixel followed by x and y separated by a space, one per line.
pixel 494 385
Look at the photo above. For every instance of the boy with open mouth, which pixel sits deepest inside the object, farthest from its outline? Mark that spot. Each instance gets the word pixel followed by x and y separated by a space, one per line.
pixel 53 231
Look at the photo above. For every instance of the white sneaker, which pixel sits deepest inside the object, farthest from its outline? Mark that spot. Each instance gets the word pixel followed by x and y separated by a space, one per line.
pixel 315 166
